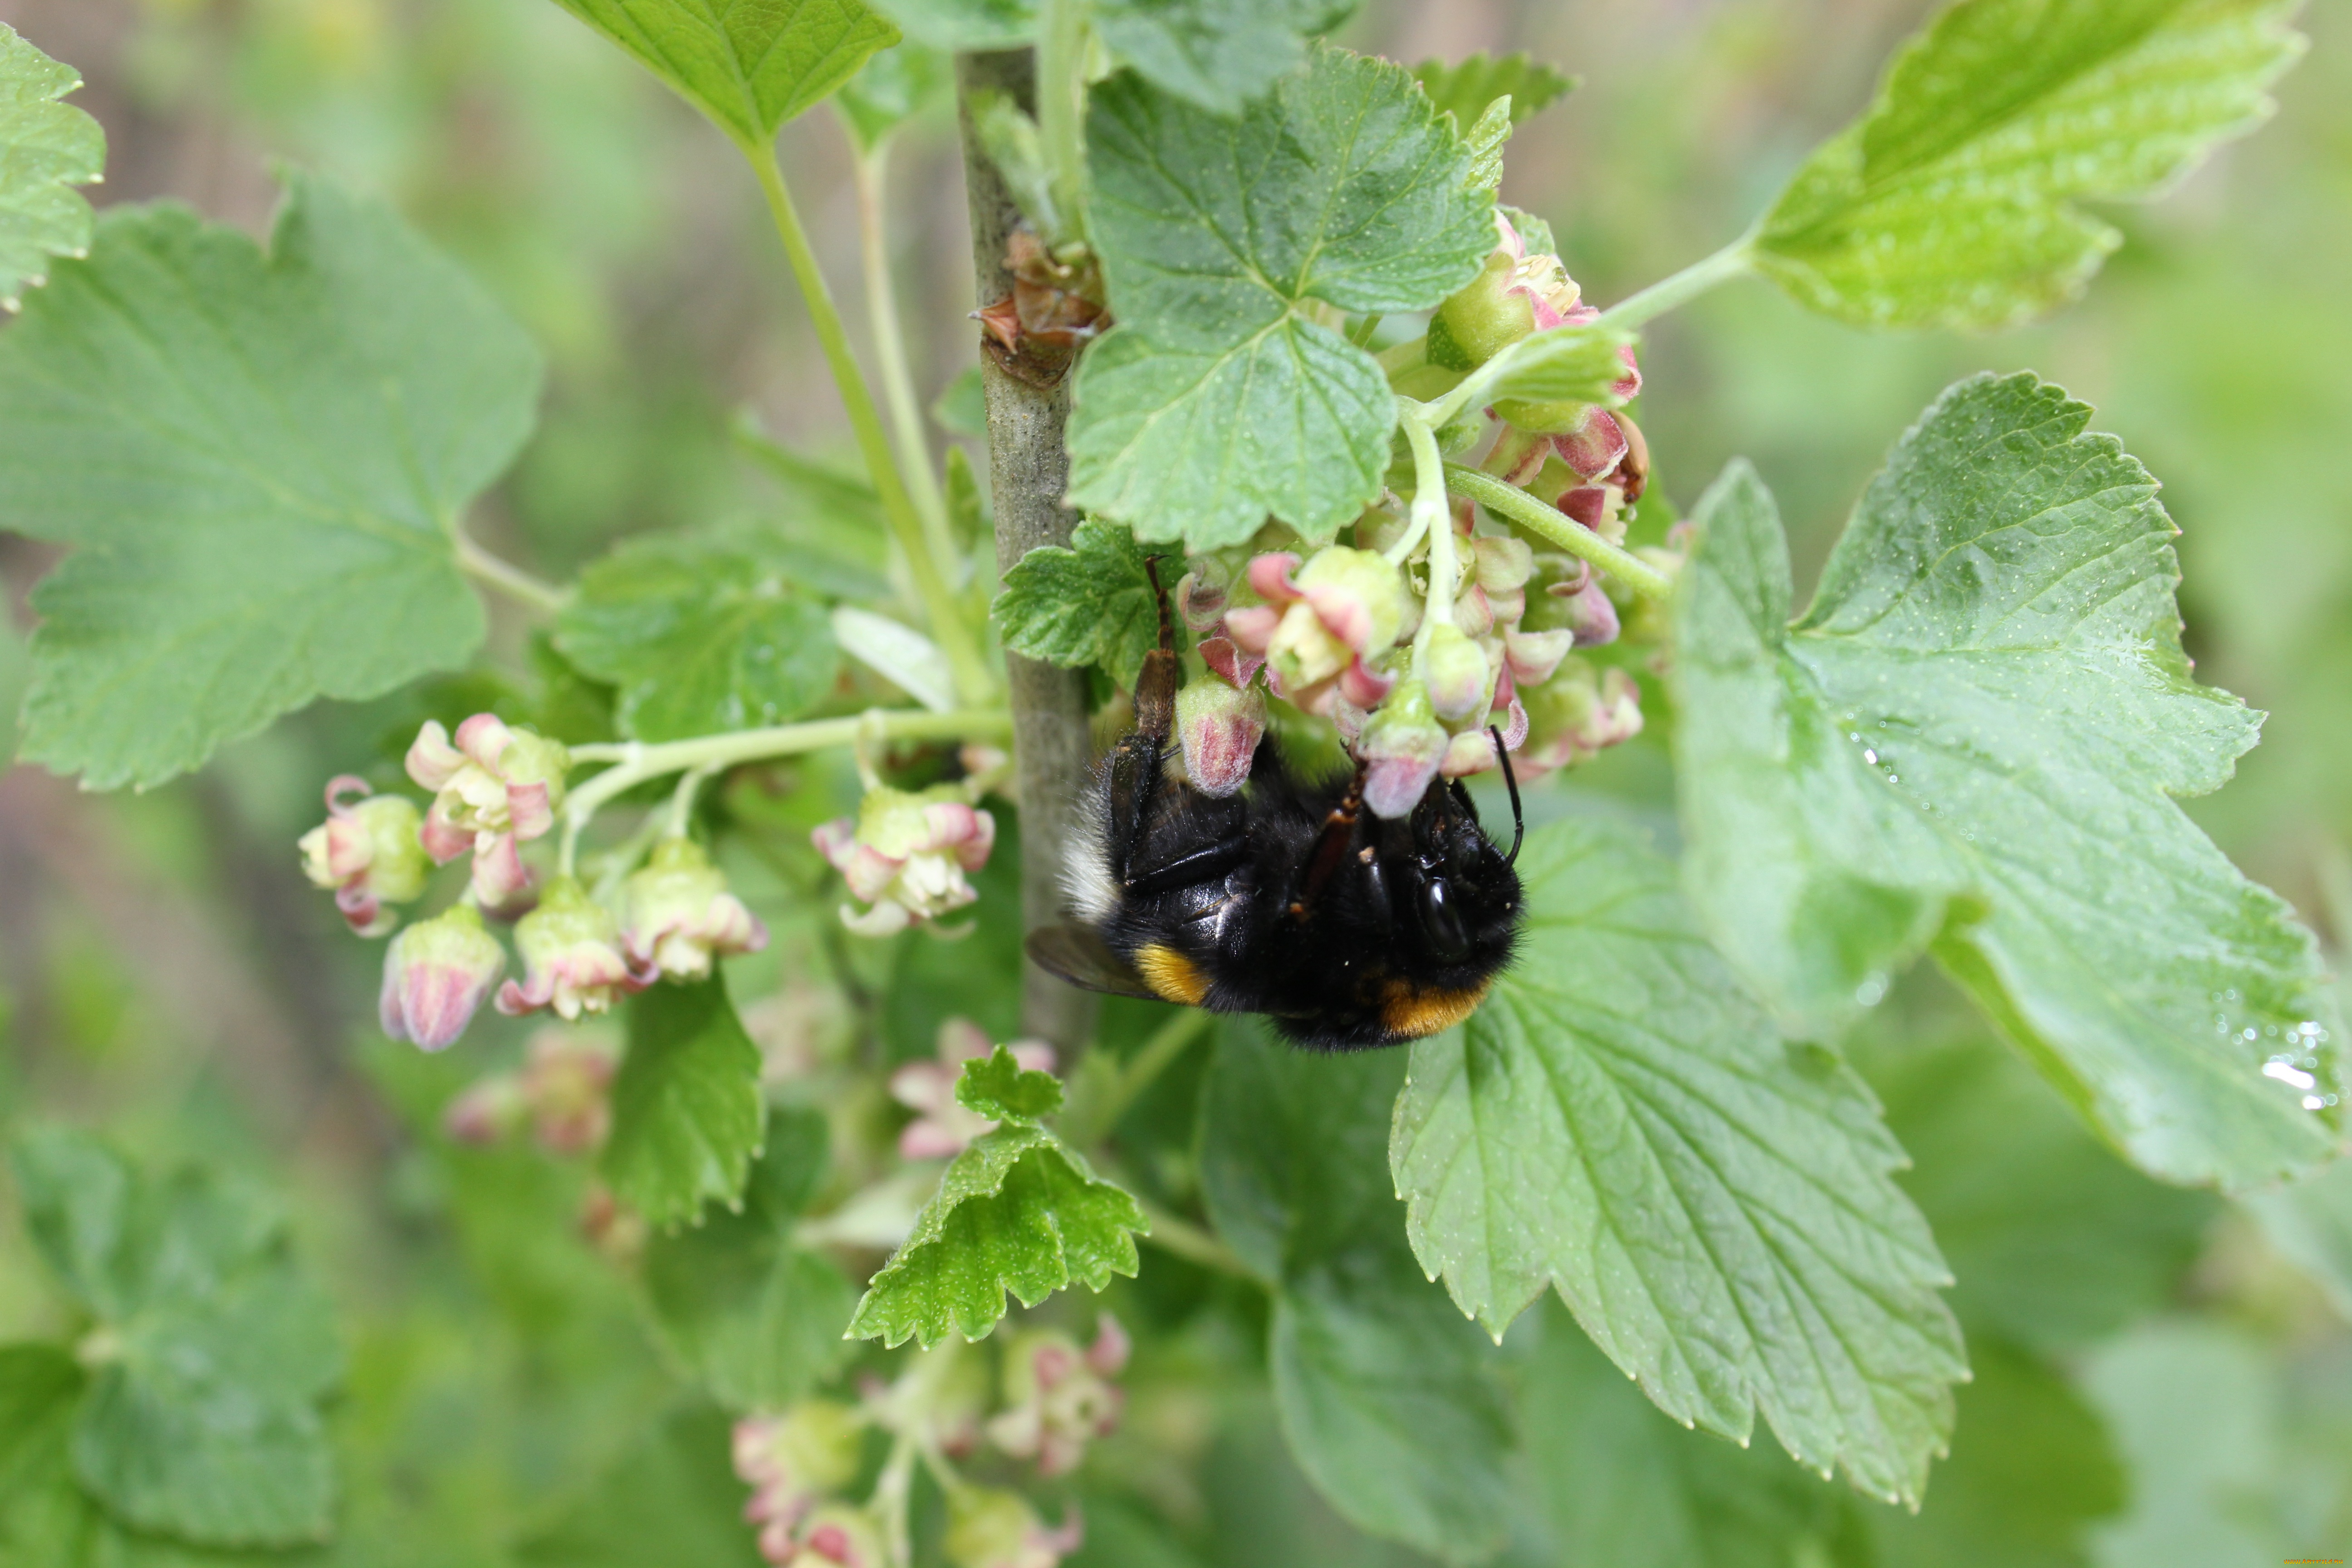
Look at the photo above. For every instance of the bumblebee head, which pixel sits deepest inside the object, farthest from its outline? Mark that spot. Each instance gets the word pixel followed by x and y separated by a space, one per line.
pixel 1459 896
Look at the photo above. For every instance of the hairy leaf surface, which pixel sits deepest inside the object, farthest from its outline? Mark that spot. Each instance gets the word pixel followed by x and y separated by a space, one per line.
pixel 46 148
pixel 1954 200
pixel 686 1113
pixel 1975 738
pixel 701 635
pixel 749 66
pixel 1619 1124
pixel 1091 603
pixel 1218 400
pixel 260 460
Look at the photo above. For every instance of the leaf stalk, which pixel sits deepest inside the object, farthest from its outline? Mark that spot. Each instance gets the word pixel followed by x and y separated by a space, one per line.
pixel 1565 532
pixel 1736 259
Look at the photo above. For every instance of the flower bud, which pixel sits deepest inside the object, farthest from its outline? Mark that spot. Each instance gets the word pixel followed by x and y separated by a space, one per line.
pixel 1219 729
pixel 1578 714
pixel 1343 604
pixel 501 879
pixel 1482 318
pixel 1473 615
pixel 1533 656
pixel 1502 565
pixel 991 1528
pixel 677 913
pixel 1235 666
pixel 566 1085
pixel 1401 745
pixel 793 1460
pixel 836 1536
pixel 368 853
pixel 435 975
pixel 1058 1398
pixel 492 779
pixel 1457 673
pixel 1201 592
pixel 571 955
pixel 906 855
pixel 1593 445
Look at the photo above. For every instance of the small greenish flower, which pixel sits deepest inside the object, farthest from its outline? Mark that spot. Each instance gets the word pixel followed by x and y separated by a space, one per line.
pixel 367 851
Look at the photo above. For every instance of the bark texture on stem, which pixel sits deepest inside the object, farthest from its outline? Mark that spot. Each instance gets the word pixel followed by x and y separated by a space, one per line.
pixel 1029 471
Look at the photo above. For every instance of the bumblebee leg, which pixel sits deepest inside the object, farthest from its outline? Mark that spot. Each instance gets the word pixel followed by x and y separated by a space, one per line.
pixel 1135 766
pixel 1332 846
pixel 1199 865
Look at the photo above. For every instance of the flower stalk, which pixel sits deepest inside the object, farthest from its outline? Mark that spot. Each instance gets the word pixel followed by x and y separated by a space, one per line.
pixel 1736 259
pixel 1571 536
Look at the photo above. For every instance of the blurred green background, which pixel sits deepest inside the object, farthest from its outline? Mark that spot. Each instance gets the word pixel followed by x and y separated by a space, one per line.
pixel 166 973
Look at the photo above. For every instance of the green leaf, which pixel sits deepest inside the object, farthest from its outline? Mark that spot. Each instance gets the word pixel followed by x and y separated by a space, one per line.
pixel 1466 88
pixel 1016 1211
pixel 2054 1242
pixel 757 1318
pixel 1975 738
pixel 1389 1400
pixel 1485 142
pixel 2311 1223
pixel 687 1112
pixel 260 460
pixel 1533 232
pixel 1091 603
pixel 895 86
pixel 749 67
pixel 45 148
pixel 201 1418
pixel 961 407
pixel 1952 202
pixel 1619 1124
pixel 1218 399
pixel 671 1499
pixel 1218 54
pixel 998 1087
pixel 701 635
pixel 1577 364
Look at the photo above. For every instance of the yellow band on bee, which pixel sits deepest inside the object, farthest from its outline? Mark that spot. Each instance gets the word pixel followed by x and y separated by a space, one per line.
pixel 1414 1014
pixel 1174 976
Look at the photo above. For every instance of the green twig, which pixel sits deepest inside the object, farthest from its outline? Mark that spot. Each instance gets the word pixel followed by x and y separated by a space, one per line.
pixel 1431 522
pixel 1736 259
pixel 872 171
pixel 1061 110
pixel 494 572
pixel 1189 1241
pixel 1141 1070
pixel 1570 535
pixel 973 681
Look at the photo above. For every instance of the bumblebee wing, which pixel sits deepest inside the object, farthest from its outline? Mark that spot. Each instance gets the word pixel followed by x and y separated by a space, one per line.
pixel 1086 961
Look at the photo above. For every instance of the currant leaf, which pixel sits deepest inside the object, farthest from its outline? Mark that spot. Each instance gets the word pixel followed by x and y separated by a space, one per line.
pixel 1466 88
pixel 1219 398
pixel 1975 740
pixel 686 1113
pixel 748 68
pixel 260 460
pixel 1089 603
pixel 46 149
pixel 1953 200
pixel 1619 1124
pixel 1016 1211
pixel 703 635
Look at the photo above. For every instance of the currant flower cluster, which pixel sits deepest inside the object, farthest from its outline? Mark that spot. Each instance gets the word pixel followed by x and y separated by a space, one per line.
pixel 1056 1398
pixel 907 854
pixel 494 788
pixel 1351 633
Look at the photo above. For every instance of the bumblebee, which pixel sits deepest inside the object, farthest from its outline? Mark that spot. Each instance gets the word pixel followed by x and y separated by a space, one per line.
pixel 1288 898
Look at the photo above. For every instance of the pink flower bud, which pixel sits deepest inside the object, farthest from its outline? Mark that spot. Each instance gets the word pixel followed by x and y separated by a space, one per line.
pixel 493 779
pixel 571 955
pixel 1233 664
pixel 678 915
pixel 906 855
pixel 1201 592
pixel 566 1086
pixel 501 879
pixel 488 1112
pixel 1460 679
pixel 1219 729
pixel 1592 616
pixel 991 1527
pixel 1533 656
pixel 1472 613
pixel 1595 446
pixel 1502 565
pixel 1250 628
pixel 1347 603
pixel 1578 714
pixel 838 1536
pixel 368 853
pixel 791 1461
pixel 1058 1398
pixel 435 975
pixel 1401 745
pixel 1270 577
pixel 1362 686
pixel 1598 508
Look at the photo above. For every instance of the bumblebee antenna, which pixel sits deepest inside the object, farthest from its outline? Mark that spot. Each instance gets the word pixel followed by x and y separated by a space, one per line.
pixel 1511 782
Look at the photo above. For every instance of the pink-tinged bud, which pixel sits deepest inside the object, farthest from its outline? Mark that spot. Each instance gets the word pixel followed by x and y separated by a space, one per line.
pixel 793 1460
pixel 440 837
pixel 501 879
pixel 1059 1398
pixel 943 1126
pixel 1219 729
pixel 1270 577
pixel 1401 745
pixel 678 915
pixel 1473 750
pixel 572 956
pixel 488 1112
pixel 1592 616
pixel 1594 444
pixel 906 855
pixel 1251 628
pixel 567 1088
pixel 1502 564
pixel 492 779
pixel 1362 686
pixel 1202 592
pixel 991 1527
pixel 1347 603
pixel 435 974
pixel 1460 681
pixel 1233 664
pixel 1472 613
pixel 368 853
pixel 1533 656
pixel 1598 508
pixel 837 1536
pixel 1485 316
pixel 1578 714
